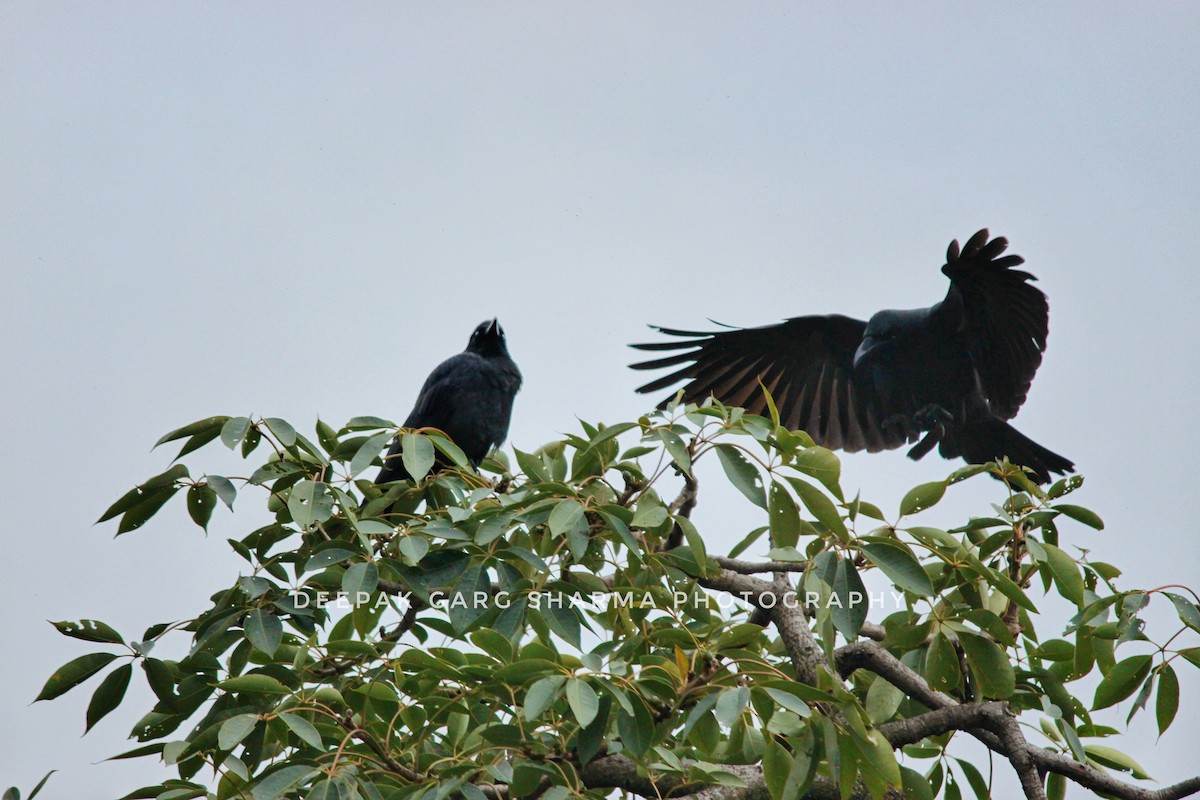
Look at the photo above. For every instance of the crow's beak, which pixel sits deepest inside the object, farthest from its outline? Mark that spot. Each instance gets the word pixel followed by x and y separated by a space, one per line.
pixel 867 345
pixel 493 327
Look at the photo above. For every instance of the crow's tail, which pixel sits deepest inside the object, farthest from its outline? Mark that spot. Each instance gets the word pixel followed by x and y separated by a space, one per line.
pixel 980 441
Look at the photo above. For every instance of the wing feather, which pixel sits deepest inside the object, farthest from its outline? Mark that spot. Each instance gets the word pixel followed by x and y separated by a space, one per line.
pixel 807 363
pixel 1003 317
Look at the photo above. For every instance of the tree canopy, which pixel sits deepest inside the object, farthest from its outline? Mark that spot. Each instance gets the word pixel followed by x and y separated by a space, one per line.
pixel 560 629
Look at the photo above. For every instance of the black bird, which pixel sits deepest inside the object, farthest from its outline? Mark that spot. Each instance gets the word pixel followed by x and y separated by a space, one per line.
pixel 468 396
pixel 954 372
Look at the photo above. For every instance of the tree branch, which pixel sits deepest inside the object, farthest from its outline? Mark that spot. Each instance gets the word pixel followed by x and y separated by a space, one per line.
pixel 999 731
pixel 752 567
pixel 619 772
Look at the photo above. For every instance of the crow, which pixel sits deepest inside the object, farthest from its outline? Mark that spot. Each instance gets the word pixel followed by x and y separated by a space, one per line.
pixel 468 396
pixel 955 372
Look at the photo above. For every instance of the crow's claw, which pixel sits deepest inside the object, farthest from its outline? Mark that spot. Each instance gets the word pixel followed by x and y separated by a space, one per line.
pixel 932 415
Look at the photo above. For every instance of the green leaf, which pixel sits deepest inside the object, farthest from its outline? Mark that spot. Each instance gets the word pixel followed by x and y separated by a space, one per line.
pixel 224 489
pixel 1189 612
pixel 649 513
pixel 1121 681
pixel 1056 650
pixel 1081 514
pixel 417 454
pixel 234 729
pixel 583 701
pixel 413 549
pixel 676 449
pixel 470 598
pixel 941 664
pixel 636 730
pixel 820 507
pixel 777 762
pixel 562 620
pixel 1066 574
pixel 883 700
pixel 750 538
pixel 327 557
pixel 978 784
pixel 565 515
pixel 367 423
pixel 282 429
pixel 199 426
pixel 89 630
pixel 848 603
pixel 257 684
pixel 916 786
pixel 367 451
pixel 198 441
pixel 1192 654
pixel 234 430
pixel 532 466
pixel 264 630
pixel 541 695
pixel 449 449
pixel 281 781
pixel 1111 757
pixel 338 788
pixel 143 493
pixel 742 474
pixel 922 497
pixel 73 673
pixel 611 432
pixel 992 670
pixel 783 515
pixel 38 788
pixel 310 503
pixel 303 729
pixel 1167 701
pixel 1056 787
pixel 899 564
pixel 201 500
pixel 789 701
pixel 108 694
pixel 360 580
pixel 822 464
pixel 879 755
pixel 161 679
pixel 1008 588
pixel 140 514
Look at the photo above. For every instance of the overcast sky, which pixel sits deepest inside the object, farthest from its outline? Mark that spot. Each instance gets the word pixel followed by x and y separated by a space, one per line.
pixel 297 210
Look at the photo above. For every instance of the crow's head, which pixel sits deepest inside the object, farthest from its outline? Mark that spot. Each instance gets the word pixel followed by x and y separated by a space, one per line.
pixel 884 328
pixel 488 339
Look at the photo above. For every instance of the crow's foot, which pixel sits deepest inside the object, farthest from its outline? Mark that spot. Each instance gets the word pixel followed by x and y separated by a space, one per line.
pixel 932 415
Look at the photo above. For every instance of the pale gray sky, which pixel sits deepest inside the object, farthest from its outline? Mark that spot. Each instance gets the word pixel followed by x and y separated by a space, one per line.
pixel 299 209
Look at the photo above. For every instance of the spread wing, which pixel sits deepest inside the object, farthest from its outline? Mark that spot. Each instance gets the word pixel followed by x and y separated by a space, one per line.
pixel 1003 318
pixel 806 363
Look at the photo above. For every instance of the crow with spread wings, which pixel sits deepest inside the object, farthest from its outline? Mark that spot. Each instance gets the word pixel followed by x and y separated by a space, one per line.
pixel 949 376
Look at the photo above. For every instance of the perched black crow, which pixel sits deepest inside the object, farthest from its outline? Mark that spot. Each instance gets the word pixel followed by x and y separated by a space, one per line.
pixel 954 372
pixel 468 396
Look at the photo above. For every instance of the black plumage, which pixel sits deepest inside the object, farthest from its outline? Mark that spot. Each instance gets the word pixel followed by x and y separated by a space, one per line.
pixel 953 373
pixel 468 396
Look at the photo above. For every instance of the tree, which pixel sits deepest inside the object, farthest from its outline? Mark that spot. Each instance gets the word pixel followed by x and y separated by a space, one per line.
pixel 564 631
